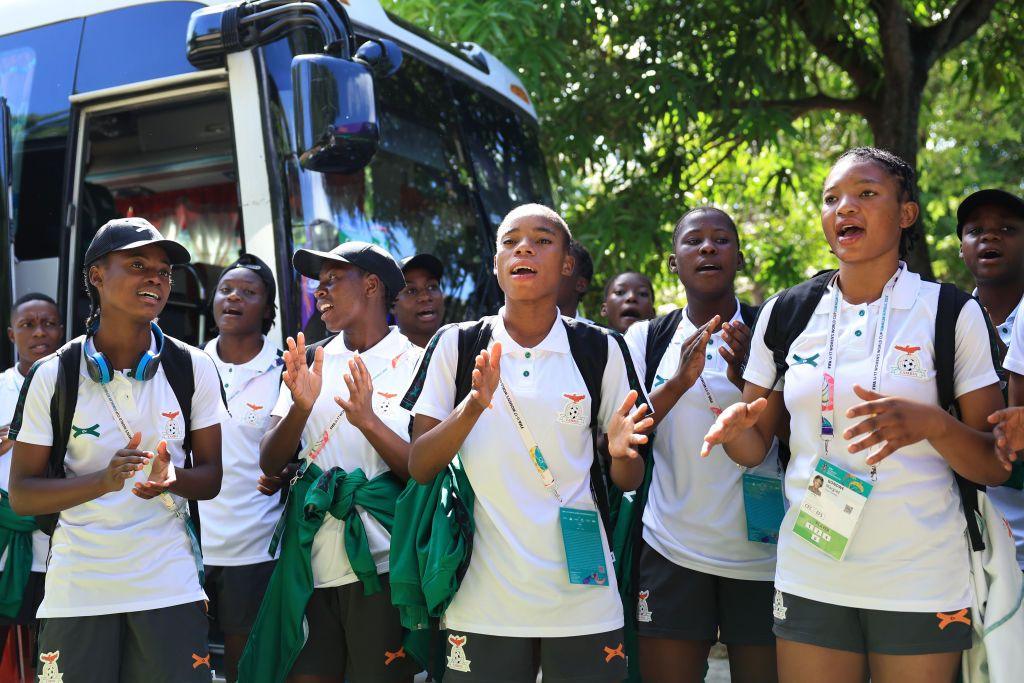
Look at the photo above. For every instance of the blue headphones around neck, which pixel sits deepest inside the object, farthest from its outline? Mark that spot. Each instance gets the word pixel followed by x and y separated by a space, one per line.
pixel 100 369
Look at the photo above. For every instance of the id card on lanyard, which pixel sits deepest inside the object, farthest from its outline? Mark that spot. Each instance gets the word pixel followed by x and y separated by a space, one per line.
pixel 581 529
pixel 834 500
pixel 764 504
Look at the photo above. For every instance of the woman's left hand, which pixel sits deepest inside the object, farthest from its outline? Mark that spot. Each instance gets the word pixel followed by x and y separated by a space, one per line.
pixel 359 405
pixel 161 477
pixel 890 420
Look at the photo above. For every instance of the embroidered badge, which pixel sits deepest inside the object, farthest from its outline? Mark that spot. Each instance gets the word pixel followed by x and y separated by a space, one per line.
pixel 172 427
pixel 50 674
pixel 908 363
pixel 384 403
pixel 779 607
pixel 85 431
pixel 810 360
pixel 457 659
pixel 572 411
pixel 392 656
pixel 252 418
pixel 643 612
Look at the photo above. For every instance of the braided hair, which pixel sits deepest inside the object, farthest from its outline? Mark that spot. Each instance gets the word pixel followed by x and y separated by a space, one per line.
pixel 904 175
pixel 92 321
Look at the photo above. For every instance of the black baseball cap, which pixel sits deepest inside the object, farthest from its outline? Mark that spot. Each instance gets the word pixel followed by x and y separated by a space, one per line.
pixel 131 233
pixel 369 257
pixel 259 268
pixel 982 198
pixel 427 262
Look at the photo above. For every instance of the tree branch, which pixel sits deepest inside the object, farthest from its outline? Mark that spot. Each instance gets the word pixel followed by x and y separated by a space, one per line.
pixel 801 105
pixel 964 20
pixel 834 39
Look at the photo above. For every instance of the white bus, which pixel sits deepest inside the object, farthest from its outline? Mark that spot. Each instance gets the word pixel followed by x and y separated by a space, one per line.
pixel 110 116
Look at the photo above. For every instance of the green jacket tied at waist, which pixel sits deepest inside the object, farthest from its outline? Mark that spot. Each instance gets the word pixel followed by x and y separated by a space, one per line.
pixel 16 541
pixel 280 629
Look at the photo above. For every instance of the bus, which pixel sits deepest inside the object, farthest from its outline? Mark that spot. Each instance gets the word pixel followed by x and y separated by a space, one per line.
pixel 163 110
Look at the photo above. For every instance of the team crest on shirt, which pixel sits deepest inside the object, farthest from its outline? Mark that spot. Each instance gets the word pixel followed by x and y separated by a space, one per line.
pixel 572 411
pixel 908 363
pixel 172 427
pixel 50 673
pixel 779 607
pixel 384 403
pixel 252 416
pixel 457 659
pixel 643 612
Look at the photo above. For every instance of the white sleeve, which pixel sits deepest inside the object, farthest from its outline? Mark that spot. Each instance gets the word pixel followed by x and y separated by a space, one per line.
pixel 615 383
pixel 973 368
pixel 284 401
pixel 1014 361
pixel 760 368
pixel 34 415
pixel 636 340
pixel 207 403
pixel 437 396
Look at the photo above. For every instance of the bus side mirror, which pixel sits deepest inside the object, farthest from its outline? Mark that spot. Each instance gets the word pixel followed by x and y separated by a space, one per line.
pixel 6 248
pixel 336 127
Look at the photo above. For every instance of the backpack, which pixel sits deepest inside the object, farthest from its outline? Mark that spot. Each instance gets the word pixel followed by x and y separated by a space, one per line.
pixel 793 310
pixel 177 363
pixel 588 345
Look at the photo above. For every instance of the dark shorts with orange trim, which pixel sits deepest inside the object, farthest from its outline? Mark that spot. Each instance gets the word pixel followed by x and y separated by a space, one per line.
pixel 870 630
pixel 596 658
pixel 354 635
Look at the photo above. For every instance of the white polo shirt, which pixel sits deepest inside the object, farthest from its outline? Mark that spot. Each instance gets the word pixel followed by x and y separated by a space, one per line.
pixel 396 357
pixel 10 387
pixel 119 553
pixel 909 552
pixel 1009 500
pixel 239 522
pixel 695 515
pixel 517 583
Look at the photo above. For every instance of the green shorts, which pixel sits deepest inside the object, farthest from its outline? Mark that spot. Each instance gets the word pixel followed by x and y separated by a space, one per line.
pixel 870 630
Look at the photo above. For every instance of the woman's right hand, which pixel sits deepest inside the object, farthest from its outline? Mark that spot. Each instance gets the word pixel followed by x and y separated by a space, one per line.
pixel 732 422
pixel 303 381
pixel 125 463
pixel 693 354
pixel 486 375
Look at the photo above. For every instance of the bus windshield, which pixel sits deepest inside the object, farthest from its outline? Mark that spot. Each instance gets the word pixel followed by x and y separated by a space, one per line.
pixel 451 162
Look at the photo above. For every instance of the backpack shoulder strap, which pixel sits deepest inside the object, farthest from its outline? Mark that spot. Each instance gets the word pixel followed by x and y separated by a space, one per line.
pixel 473 338
pixel 748 314
pixel 659 335
pixel 951 302
pixel 789 317
pixel 311 348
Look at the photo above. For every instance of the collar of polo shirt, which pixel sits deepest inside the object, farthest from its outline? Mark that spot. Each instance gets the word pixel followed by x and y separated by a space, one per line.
pixel 904 293
pixel 556 341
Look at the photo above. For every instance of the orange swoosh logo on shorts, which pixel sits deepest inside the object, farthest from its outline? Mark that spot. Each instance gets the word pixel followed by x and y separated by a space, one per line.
pixel 610 654
pixel 956 617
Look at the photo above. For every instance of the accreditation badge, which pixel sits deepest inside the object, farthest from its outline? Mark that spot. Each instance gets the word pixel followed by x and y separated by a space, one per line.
pixel 831 508
pixel 584 552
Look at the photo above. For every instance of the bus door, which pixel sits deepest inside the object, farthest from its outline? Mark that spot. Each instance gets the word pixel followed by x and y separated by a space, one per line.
pixel 169 157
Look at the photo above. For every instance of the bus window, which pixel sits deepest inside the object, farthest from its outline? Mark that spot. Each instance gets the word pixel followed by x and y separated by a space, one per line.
pixel 415 196
pixel 37 70
pixel 172 163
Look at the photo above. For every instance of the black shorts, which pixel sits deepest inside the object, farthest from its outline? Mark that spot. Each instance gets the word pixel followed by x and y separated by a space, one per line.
pixel 684 604
pixel 165 645
pixel 869 630
pixel 597 658
pixel 236 593
pixel 354 634
pixel 30 601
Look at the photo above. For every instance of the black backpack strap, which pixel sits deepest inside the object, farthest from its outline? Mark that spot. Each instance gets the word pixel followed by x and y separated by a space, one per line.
pixel 659 335
pixel 176 360
pixel 311 348
pixel 789 317
pixel 951 302
pixel 473 338
pixel 748 314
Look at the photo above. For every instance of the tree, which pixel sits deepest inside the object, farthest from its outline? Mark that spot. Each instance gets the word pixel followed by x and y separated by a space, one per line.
pixel 651 106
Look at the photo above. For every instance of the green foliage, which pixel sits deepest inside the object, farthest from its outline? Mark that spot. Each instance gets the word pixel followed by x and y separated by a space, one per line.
pixel 651 107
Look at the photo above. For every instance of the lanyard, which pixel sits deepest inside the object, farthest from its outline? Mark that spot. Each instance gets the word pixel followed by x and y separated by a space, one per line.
pixel 536 457
pixel 828 381
pixel 317 447
pixel 715 408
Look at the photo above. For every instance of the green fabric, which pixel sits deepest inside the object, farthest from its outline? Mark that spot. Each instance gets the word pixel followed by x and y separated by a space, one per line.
pixel 16 540
pixel 432 539
pixel 1016 479
pixel 280 630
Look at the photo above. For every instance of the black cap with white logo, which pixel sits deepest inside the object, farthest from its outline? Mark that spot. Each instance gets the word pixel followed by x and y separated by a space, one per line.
pixel 258 268
pixel 131 233
pixel 369 257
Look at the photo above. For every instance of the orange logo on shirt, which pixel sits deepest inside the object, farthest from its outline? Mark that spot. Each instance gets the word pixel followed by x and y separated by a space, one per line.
pixel 392 656
pixel 171 416
pixel 575 398
pixel 954 618
pixel 394 361
pixel 198 661
pixel 907 349
pixel 386 395
pixel 254 407
pixel 611 654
